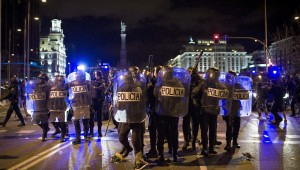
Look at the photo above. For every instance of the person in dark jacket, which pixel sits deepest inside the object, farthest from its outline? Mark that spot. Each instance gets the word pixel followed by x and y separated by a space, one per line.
pixel 277 91
pixel 232 114
pixel 13 97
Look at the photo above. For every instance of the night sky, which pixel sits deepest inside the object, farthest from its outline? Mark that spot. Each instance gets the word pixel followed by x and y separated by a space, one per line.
pixel 158 27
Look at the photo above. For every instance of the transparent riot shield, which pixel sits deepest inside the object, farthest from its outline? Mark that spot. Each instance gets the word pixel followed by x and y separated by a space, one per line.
pixel 244 95
pixel 36 96
pixel 79 89
pixel 229 81
pixel 58 95
pixel 129 97
pixel 172 92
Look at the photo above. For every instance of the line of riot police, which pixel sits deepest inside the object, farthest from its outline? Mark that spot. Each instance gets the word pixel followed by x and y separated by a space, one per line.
pixel 51 100
pixel 168 96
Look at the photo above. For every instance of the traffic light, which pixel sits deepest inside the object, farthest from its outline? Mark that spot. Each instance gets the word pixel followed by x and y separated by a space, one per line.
pixel 216 38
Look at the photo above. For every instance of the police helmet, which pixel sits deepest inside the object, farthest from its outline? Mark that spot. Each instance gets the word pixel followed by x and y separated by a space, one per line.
pixel 43 77
pixel 80 75
pixel 97 74
pixel 59 79
pixel 212 74
pixel 167 72
pixel 14 80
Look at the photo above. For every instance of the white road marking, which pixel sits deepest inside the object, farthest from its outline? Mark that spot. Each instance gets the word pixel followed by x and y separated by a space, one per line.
pixel 26 131
pixel 41 156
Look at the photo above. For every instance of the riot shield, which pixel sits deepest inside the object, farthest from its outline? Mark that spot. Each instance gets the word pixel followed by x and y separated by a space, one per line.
pixel 58 95
pixel 172 91
pixel 129 97
pixel 36 96
pixel 225 104
pixel 79 89
pixel 214 91
pixel 244 95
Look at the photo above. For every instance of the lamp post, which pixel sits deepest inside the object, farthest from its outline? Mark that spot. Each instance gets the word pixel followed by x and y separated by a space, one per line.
pixel 266 36
pixel 0 44
pixel 267 52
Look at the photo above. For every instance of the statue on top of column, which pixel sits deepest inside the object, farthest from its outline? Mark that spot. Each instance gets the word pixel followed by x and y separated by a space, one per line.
pixel 123 27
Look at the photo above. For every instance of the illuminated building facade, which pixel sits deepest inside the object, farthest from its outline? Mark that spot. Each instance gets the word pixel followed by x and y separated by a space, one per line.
pixel 53 51
pixel 223 56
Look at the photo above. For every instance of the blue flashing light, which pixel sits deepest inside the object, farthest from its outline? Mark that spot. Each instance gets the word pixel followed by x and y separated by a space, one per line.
pixel 253 71
pixel 274 71
pixel 81 67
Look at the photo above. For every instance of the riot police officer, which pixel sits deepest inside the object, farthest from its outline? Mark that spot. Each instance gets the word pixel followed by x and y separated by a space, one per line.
pixel 195 103
pixel 130 112
pixel 98 96
pixel 13 97
pixel 80 101
pixel 36 101
pixel 152 114
pixel 57 105
pixel 213 91
pixel 172 95
pixel 232 109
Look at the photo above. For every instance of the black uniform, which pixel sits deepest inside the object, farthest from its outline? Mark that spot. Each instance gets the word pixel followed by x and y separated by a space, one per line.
pixel 98 96
pixel 152 117
pixel 277 91
pixel 213 91
pixel 13 97
pixel 130 112
pixel 172 100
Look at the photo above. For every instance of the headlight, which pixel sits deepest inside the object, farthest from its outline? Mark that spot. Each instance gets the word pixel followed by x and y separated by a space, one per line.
pixel 286 96
pixel 254 94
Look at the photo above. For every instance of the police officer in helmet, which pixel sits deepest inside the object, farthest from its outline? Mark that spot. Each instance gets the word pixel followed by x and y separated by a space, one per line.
pixel 13 97
pixel 98 95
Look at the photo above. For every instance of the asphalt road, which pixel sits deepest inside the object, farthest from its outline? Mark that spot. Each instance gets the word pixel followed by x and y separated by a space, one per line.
pixel 269 147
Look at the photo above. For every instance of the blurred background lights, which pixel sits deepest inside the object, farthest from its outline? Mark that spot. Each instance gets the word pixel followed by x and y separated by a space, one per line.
pixel 81 67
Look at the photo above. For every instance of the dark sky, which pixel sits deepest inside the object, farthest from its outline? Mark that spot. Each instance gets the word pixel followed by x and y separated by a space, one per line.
pixel 158 27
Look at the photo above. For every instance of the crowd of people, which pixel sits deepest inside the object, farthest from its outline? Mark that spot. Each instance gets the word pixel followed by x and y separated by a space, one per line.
pixel 164 96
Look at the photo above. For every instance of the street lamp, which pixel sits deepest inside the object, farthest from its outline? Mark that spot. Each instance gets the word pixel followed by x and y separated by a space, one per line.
pixel 69 67
pixel 8 62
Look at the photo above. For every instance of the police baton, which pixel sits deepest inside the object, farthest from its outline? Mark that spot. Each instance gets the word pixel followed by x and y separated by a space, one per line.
pixel 109 118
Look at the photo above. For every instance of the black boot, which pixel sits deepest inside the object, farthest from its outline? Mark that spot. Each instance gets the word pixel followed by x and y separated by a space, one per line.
pixel 160 160
pixel 67 129
pixel 235 144
pixel 228 146
pixel 63 126
pixel 86 129
pixel 212 150
pixel 194 144
pixel 3 124
pixel 91 132
pixel 174 155
pixel 77 130
pixel 56 125
pixel 204 151
pixel 45 128
pixel 126 152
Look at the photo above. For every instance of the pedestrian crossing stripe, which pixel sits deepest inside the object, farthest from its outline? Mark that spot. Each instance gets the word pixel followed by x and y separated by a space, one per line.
pixel 26 131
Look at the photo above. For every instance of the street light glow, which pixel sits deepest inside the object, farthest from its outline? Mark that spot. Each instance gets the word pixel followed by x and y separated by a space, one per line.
pixel 296 17
pixel 19 30
pixel 44 1
pixel 81 67
pixel 36 18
